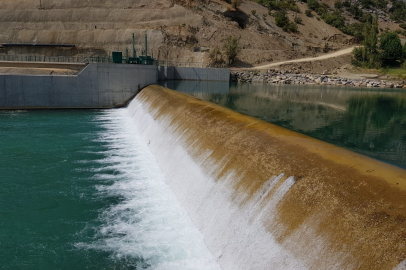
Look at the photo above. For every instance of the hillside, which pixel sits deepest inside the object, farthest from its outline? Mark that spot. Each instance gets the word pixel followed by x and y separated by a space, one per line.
pixel 187 30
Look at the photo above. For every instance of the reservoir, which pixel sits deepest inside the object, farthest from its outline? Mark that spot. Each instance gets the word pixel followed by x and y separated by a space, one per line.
pixel 371 122
pixel 82 189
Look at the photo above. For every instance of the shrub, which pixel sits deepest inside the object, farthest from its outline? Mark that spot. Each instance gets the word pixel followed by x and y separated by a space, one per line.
pixel 398 10
pixel 366 18
pixel 358 53
pixel 338 4
pixel 253 12
pixel 288 4
pixel 355 11
pixel 313 4
pixel 232 48
pixel 346 3
pixel 402 25
pixel 321 10
pixel 292 27
pixel 334 19
pixel 280 5
pixel 308 13
pixel 391 47
pixel 298 20
pixel 381 4
pixel 367 3
pixel 354 29
pixel 281 19
pixel 216 57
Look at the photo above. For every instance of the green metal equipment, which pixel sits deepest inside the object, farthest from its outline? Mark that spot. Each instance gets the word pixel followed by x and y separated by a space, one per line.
pixel 141 60
pixel 117 57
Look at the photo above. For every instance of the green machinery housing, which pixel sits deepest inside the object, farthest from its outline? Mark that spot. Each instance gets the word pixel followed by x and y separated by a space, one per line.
pixel 141 60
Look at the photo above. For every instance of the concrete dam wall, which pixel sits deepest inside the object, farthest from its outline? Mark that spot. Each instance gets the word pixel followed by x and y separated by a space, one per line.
pixel 96 86
pixel 265 197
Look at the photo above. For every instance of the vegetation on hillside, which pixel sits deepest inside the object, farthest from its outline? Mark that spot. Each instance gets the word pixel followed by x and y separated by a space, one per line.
pixel 230 50
pixel 338 14
pixel 281 19
pixel 279 5
pixel 373 54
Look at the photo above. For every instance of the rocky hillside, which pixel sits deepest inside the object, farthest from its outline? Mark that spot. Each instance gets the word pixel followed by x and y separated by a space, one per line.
pixel 185 30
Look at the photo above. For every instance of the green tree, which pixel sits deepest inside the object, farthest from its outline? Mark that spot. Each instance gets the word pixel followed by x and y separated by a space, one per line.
pixel 368 55
pixel 232 48
pixel 392 50
pixel 371 38
pixel 313 4
pixel 281 19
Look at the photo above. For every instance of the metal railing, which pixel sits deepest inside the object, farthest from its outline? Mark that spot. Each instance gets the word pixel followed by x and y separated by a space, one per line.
pixel 53 59
pixel 180 64
pixel 91 59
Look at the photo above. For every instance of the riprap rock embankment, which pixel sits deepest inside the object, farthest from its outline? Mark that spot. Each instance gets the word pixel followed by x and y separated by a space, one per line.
pixel 280 77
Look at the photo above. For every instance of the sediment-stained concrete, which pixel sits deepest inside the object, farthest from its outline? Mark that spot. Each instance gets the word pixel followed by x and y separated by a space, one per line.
pixel 269 198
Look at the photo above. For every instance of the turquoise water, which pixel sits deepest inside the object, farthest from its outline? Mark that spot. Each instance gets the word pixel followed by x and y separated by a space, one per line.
pixel 80 190
pixel 368 121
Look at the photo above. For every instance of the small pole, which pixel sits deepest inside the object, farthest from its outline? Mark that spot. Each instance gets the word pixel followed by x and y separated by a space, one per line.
pixel 166 64
pixel 146 45
pixel 133 47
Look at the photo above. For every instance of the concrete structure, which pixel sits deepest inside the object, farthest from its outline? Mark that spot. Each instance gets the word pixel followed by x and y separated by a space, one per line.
pixel 265 197
pixel 96 86
pixel 191 73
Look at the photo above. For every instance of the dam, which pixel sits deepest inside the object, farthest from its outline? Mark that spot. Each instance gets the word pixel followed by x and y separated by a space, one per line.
pixel 174 182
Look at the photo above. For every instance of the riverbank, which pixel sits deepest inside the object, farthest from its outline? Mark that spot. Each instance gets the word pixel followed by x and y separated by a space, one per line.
pixel 280 77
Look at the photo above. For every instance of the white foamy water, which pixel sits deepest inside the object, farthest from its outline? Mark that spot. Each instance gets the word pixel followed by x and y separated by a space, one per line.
pixel 234 232
pixel 149 224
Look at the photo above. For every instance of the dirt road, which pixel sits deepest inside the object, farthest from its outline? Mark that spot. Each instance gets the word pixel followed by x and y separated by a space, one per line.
pixel 308 59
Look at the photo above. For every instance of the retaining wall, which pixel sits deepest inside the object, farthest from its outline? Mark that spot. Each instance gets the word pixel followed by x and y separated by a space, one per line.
pixel 191 73
pixel 96 86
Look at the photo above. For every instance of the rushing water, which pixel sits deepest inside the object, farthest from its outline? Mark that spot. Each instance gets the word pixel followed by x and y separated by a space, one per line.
pixel 368 121
pixel 81 190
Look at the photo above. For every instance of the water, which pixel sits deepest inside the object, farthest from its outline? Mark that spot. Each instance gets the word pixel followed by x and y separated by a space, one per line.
pixel 368 121
pixel 80 190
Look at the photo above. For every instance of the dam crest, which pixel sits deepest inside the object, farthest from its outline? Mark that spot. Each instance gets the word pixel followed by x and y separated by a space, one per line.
pixel 263 196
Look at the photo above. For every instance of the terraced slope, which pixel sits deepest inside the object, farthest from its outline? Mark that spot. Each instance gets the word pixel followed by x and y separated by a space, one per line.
pixel 187 30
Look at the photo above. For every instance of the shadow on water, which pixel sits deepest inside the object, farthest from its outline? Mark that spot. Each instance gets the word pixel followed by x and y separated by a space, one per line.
pixel 368 121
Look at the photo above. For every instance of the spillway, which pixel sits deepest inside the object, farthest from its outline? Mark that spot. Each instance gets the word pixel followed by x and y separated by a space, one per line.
pixel 265 197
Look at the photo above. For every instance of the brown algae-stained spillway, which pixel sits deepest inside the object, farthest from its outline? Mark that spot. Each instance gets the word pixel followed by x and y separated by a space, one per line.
pixel 265 197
